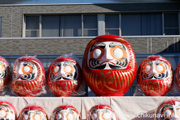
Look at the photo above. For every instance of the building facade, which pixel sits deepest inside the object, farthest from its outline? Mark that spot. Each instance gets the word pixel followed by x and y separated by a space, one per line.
pixel 54 29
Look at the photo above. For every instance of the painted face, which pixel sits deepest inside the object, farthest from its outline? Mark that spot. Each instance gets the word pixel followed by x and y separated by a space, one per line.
pixel 64 77
pixel 155 70
pixel 7 111
pixel 155 76
pixel 30 113
pixel 26 71
pixel 63 71
pixel 4 74
pixel 109 65
pixel 28 76
pixel 169 111
pixel 65 113
pixel 101 113
pixel 108 55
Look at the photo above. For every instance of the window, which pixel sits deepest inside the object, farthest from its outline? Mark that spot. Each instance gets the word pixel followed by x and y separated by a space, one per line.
pixel 112 24
pixel 50 26
pixel 32 26
pixel 90 25
pixel 61 25
pixel 141 24
pixel 171 26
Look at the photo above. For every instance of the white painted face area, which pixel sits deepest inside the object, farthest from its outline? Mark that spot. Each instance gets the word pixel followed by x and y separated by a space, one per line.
pixel 25 71
pixel 2 70
pixel 33 115
pixel 108 55
pixel 101 114
pixel 171 112
pixel 66 114
pixel 63 71
pixel 155 70
pixel 6 113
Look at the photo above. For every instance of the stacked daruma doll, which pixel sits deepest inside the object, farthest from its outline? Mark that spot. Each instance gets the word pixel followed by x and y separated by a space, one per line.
pixel 28 76
pixel 109 65
pixel 155 76
pixel 65 77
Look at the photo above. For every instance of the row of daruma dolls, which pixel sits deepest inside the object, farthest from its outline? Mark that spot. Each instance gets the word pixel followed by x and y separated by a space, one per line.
pixel 63 112
pixel 168 110
pixel 109 68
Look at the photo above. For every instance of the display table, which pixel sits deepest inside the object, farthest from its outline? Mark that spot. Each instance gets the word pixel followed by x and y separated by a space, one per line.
pixel 126 108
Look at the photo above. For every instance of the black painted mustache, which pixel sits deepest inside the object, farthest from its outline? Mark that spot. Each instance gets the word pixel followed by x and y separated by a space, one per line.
pixel 94 64
pixel 160 76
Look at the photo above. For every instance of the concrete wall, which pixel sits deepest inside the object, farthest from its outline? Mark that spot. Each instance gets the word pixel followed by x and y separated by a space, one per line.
pixel 58 46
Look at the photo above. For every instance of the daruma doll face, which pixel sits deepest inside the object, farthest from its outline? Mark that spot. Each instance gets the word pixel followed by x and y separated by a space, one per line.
pixel 109 65
pixel 65 112
pixel 101 112
pixel 4 74
pixel 28 76
pixel 64 77
pixel 155 76
pixel 33 113
pixel 7 111
pixel 169 110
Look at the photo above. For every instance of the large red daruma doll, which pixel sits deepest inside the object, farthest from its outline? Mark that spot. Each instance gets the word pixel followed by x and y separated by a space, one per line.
pixel 169 110
pixel 33 113
pixel 28 76
pixel 109 65
pixel 64 77
pixel 155 76
pixel 101 112
pixel 7 111
pixel 65 112
pixel 4 74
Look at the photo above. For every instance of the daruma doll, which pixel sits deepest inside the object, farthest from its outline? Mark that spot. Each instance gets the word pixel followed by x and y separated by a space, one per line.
pixel 155 76
pixel 101 112
pixel 169 110
pixel 33 113
pixel 28 76
pixel 7 111
pixel 109 65
pixel 4 74
pixel 65 112
pixel 65 77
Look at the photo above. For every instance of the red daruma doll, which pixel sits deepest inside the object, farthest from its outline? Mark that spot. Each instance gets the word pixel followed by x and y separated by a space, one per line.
pixel 7 111
pixel 64 77
pixel 101 112
pixel 169 110
pixel 109 65
pixel 28 76
pixel 65 112
pixel 4 74
pixel 155 76
pixel 33 113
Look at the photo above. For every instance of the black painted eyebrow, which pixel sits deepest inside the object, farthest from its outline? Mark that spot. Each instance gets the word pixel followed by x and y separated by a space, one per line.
pixel 111 45
pixel 102 45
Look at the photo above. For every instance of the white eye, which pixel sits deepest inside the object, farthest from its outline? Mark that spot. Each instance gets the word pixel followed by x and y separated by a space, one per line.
pixel 26 117
pixel 106 116
pixel 2 114
pixel 160 68
pixel 56 69
pixel 58 116
pixel 70 116
pixel 167 113
pixel 26 69
pixel 94 116
pixel 148 67
pixel 118 53
pixel 97 53
pixel 68 68
pixel 37 117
